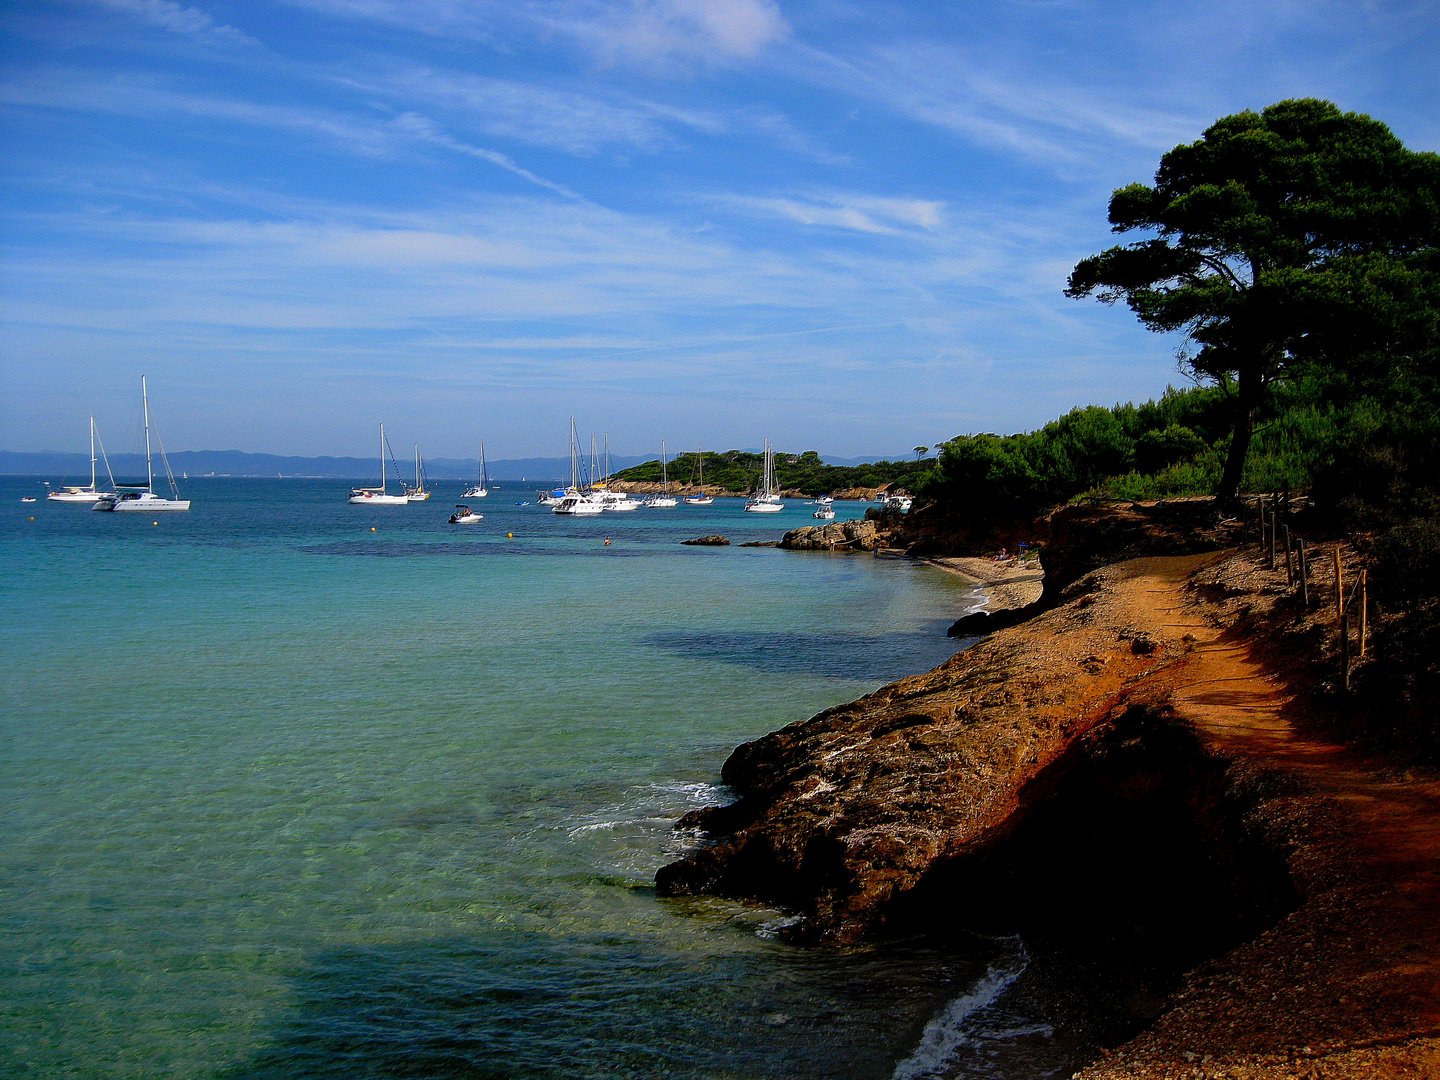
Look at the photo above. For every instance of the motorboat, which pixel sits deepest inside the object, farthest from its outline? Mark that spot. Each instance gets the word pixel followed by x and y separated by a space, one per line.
pixel 824 513
pixel 481 487
pixel 465 516
pixel 550 498
pixel 132 497
pixel 824 500
pixel 767 499
pixel 72 493
pixel 615 500
pixel 378 496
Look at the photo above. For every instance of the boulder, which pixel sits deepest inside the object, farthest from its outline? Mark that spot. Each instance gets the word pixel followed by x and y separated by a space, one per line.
pixel 835 536
pixel 708 541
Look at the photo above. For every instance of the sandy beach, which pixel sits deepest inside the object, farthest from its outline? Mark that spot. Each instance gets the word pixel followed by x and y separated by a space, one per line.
pixel 1009 584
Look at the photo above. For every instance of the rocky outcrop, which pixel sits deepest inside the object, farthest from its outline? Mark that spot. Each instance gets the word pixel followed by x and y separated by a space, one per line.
pixel 835 536
pixel 863 817
pixel 708 541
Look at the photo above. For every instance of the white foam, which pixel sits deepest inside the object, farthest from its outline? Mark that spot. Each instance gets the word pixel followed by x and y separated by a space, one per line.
pixel 948 1032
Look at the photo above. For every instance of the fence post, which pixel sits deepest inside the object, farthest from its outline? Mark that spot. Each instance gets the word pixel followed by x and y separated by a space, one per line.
pixel 1274 528
pixel 1289 563
pixel 1364 606
pixel 1345 648
pixel 1339 586
pixel 1260 513
pixel 1304 572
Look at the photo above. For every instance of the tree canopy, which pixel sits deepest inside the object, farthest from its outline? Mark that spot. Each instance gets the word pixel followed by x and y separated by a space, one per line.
pixel 1299 235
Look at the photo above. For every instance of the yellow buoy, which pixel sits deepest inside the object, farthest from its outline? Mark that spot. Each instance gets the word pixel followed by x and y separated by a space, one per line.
pixel 508 536
pixel 32 517
pixel 154 523
pixel 372 528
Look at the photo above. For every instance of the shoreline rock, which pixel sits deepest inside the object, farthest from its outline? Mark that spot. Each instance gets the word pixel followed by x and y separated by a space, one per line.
pixel 708 541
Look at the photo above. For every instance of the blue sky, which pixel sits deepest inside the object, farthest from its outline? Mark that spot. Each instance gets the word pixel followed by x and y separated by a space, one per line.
pixel 843 226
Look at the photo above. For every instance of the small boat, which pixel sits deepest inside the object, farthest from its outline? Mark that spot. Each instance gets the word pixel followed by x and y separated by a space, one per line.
pixel 664 500
pixel 481 487
pixel 697 479
pixel 825 513
pixel 465 516
pixel 27 498
pixel 767 499
pixel 418 493
pixel 75 494
pixel 379 496
pixel 549 498
pixel 132 497
pixel 824 500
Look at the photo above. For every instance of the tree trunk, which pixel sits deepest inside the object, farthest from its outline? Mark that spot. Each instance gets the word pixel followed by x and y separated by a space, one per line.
pixel 1247 401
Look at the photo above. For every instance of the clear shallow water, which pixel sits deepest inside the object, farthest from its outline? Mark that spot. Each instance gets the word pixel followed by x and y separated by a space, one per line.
pixel 288 798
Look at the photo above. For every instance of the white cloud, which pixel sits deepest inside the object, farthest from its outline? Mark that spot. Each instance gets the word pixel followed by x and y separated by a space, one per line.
pixel 179 19
pixel 861 213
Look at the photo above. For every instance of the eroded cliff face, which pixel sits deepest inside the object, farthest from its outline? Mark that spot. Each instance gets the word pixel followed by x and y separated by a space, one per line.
pixel 938 796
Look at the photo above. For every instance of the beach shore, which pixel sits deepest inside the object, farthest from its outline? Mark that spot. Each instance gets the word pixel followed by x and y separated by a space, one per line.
pixel 1010 584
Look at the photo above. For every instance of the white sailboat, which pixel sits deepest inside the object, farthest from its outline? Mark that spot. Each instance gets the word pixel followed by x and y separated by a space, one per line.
pixel 418 492
pixel 378 496
pixel 71 493
pixel 132 497
pixel 664 499
pixel 481 487
pixel 574 501
pixel 767 499
pixel 697 479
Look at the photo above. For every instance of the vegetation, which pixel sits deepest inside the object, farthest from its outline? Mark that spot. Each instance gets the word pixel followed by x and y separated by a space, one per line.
pixel 739 471
pixel 1288 240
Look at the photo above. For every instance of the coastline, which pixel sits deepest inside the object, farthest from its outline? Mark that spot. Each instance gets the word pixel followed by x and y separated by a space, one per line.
pixel 1077 778
pixel 1005 585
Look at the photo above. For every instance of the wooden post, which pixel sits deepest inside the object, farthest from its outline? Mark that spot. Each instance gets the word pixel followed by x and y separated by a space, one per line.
pixel 1345 649
pixel 1362 598
pixel 1304 572
pixel 1274 528
pixel 1339 586
pixel 1260 513
pixel 1289 562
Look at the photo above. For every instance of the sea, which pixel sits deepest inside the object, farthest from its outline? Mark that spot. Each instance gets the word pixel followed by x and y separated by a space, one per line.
pixel 299 789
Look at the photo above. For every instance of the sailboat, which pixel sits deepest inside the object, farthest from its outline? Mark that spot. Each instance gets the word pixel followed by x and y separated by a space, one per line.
pixel 575 501
pixel 132 496
pixel 73 494
pixel 378 496
pixel 664 499
pixel 418 492
pixel 481 487
pixel 697 479
pixel 767 499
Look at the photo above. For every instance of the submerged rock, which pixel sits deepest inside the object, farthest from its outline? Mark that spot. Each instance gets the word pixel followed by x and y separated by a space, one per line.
pixel 708 541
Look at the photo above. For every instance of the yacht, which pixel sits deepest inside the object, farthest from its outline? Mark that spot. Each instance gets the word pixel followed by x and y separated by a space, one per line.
pixel 481 487
pixel 132 497
pixel 697 479
pixel 767 499
pixel 664 499
pixel 71 493
pixel 418 493
pixel 379 496
pixel 573 500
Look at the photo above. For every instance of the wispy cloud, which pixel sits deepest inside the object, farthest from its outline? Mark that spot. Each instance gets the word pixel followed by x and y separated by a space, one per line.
pixel 178 19
pixel 861 213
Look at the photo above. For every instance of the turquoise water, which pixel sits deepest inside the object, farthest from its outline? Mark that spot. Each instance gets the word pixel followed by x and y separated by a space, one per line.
pixel 288 798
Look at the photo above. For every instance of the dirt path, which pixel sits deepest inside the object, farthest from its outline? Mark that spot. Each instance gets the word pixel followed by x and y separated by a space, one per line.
pixel 1347 985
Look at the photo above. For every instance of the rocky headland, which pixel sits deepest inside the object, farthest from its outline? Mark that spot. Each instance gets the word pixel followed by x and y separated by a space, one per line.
pixel 1131 778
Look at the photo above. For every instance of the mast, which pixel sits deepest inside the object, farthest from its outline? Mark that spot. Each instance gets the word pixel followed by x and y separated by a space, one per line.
pixel 417 466
pixel 92 453
pixel 382 457
pixel 149 472
pixel 484 479
pixel 574 462
pixel 664 471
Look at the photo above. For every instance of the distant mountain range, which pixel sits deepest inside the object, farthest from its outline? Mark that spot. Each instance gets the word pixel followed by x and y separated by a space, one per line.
pixel 71 467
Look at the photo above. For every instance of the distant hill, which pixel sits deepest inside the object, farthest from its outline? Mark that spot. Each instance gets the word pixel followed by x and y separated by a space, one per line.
pixel 739 471
pixel 238 463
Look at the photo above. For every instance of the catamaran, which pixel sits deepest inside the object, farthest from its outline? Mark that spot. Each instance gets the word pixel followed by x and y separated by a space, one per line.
pixel 697 479
pixel 378 496
pixel 74 494
pixel 143 500
pixel 481 487
pixel 418 492
pixel 574 501
pixel 767 499
pixel 664 499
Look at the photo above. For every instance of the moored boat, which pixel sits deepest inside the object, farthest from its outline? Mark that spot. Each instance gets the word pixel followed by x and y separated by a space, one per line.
pixel 132 497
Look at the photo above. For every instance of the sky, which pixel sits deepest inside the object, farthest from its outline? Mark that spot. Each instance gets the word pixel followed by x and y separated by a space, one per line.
pixel 842 226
